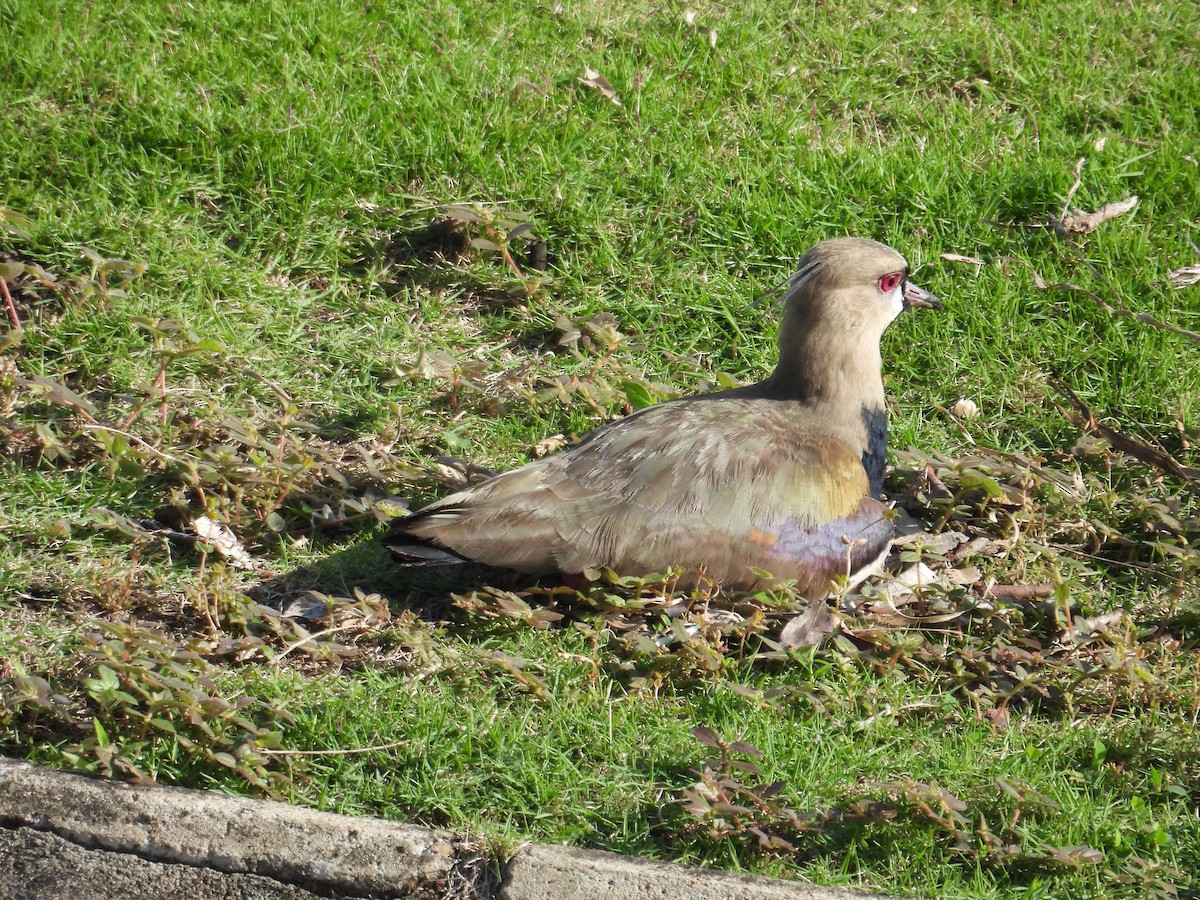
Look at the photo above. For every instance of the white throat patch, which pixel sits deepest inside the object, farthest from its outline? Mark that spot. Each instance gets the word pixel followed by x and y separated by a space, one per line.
pixel 896 298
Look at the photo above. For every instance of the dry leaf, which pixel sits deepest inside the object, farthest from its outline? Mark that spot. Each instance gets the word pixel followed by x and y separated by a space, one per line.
pixel 569 333
pixel 1087 628
pixel 59 394
pixel 957 257
pixel 964 576
pixel 982 547
pixel 809 628
pixel 902 589
pixel 224 541
pixel 594 79
pixel 391 508
pixel 904 525
pixel 1077 856
pixel 939 544
pixel 1188 275
pixel 1076 221
pixel 452 477
pixel 312 607
pixel 549 445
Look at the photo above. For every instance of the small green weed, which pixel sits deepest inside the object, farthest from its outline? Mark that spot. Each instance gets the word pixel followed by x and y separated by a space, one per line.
pixel 137 705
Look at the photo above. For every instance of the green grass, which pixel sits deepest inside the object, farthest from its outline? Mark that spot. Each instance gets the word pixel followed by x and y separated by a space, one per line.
pixel 258 157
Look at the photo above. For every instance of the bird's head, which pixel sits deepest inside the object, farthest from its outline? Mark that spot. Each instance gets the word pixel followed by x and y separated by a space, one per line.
pixel 843 296
pixel 854 286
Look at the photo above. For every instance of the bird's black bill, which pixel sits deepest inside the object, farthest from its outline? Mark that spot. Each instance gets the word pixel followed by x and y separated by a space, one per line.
pixel 918 296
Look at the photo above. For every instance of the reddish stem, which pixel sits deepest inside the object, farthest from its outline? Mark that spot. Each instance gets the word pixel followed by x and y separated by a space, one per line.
pixel 511 262
pixel 12 308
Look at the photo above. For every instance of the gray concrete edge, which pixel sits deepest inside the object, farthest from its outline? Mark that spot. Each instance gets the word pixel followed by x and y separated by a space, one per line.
pixel 339 855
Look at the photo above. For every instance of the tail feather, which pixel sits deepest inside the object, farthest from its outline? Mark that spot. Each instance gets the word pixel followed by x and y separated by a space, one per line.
pixel 410 550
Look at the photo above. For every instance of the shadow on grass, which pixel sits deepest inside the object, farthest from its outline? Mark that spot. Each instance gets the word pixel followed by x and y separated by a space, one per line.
pixel 366 566
pixel 438 255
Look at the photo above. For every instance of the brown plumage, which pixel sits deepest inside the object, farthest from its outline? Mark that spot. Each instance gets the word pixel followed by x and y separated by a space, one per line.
pixel 782 476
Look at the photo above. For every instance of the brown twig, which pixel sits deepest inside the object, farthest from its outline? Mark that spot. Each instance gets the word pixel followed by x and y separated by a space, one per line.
pixel 512 263
pixel 1145 318
pixel 1041 284
pixel 1152 456
pixel 12 308
pixel 1081 223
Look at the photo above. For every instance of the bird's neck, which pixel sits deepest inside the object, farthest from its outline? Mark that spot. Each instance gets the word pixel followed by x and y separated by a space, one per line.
pixel 840 385
pixel 821 370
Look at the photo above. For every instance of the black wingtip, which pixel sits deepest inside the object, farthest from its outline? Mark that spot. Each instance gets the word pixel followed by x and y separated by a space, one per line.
pixel 410 550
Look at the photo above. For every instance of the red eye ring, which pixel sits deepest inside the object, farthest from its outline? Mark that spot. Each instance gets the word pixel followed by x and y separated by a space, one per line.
pixel 888 283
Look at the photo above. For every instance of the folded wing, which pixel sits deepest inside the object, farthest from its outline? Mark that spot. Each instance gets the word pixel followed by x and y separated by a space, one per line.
pixel 678 484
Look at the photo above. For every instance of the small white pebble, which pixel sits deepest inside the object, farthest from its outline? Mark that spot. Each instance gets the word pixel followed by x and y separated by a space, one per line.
pixel 966 409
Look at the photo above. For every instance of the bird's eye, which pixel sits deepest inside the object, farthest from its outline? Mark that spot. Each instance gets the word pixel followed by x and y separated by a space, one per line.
pixel 888 283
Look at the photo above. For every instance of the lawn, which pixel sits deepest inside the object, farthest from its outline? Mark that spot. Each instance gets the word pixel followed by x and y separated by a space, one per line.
pixel 266 265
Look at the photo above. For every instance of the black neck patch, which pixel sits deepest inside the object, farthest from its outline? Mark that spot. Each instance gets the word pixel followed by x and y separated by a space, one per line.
pixel 875 455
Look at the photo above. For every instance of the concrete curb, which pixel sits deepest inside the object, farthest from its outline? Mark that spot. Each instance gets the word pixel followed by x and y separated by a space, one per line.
pixel 546 872
pixel 65 835
pixel 234 835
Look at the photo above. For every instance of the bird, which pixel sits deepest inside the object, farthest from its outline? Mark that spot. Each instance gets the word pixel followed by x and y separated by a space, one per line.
pixel 776 481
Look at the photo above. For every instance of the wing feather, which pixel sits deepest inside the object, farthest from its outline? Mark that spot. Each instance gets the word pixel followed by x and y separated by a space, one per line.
pixel 699 485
